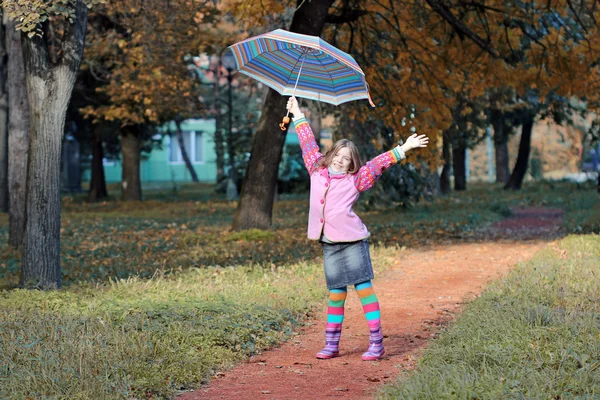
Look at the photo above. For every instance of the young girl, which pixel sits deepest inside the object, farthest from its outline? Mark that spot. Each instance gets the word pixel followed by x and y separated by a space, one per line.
pixel 336 180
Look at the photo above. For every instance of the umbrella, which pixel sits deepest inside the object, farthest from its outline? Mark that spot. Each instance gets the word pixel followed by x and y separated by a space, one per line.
pixel 301 65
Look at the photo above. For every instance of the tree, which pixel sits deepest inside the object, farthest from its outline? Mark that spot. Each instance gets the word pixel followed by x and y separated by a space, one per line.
pixel 3 122
pixel 255 206
pixel 53 44
pixel 518 174
pixel 425 53
pixel 138 51
pixel 18 135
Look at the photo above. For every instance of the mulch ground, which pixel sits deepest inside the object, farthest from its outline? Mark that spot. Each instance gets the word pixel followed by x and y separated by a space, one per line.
pixel 425 289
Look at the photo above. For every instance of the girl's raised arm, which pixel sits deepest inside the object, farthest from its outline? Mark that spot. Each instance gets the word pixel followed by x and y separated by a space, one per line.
pixel 310 149
pixel 368 174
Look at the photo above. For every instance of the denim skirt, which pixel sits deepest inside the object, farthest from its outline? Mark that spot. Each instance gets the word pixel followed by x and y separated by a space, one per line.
pixel 347 263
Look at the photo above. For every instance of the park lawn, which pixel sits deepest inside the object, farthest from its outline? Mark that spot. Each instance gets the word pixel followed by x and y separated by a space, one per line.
pixel 533 335
pixel 147 338
pixel 170 232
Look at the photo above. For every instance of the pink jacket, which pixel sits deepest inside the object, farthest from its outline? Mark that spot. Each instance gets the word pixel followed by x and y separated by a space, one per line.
pixel 332 198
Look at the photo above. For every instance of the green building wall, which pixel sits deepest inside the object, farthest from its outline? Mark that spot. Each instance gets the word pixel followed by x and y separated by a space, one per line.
pixel 157 167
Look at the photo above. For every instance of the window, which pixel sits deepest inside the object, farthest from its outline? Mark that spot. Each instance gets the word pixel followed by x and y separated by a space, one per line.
pixel 194 145
pixel 199 153
pixel 108 162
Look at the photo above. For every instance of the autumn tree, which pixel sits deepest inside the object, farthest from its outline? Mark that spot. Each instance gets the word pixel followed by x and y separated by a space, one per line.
pixel 425 53
pixel 54 35
pixel 138 48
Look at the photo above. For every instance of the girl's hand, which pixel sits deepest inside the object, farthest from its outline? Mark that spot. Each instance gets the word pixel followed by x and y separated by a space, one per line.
pixel 414 142
pixel 293 107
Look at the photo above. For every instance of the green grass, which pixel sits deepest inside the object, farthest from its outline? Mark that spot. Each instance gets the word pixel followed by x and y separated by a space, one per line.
pixel 533 335
pixel 140 338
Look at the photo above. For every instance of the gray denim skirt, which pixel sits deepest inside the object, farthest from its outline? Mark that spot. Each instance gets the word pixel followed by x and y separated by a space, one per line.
pixel 347 263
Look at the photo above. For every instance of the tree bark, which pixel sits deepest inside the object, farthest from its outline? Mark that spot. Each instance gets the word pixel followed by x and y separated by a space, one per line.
pixel 315 119
pixel 219 147
pixel 445 187
pixel 131 148
pixel 97 181
pixel 3 122
pixel 255 206
pixel 50 74
pixel 184 153
pixel 18 136
pixel 459 153
pixel 500 146
pixel 516 178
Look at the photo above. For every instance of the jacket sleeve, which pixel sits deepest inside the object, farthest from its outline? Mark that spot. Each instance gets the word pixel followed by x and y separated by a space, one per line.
pixel 308 144
pixel 368 174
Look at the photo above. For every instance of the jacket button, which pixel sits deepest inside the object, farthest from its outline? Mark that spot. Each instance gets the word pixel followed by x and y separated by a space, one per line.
pixel 327 185
pixel 322 201
pixel 321 220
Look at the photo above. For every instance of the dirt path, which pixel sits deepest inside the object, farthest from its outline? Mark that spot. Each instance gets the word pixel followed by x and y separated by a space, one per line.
pixel 422 291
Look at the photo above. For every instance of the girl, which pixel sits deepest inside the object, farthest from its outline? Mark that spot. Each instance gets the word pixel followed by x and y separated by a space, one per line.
pixel 336 180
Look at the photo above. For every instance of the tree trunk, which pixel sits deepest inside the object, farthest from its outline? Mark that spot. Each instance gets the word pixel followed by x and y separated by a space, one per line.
pixel 184 153
pixel 516 178
pixel 445 187
pixel 3 122
pixel 500 146
pixel 98 181
pixel 131 148
pixel 255 206
pixel 18 136
pixel 459 153
pixel 219 148
pixel 315 119
pixel 50 71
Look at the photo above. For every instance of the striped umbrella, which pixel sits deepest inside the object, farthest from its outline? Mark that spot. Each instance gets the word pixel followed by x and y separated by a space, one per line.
pixel 301 65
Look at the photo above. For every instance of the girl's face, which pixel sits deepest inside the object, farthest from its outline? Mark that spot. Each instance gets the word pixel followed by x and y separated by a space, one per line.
pixel 341 160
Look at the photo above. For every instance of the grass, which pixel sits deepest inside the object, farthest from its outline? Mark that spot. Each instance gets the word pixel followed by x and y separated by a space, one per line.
pixel 147 338
pixel 116 240
pixel 533 335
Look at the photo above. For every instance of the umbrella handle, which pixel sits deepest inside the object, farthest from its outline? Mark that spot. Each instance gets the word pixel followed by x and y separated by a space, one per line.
pixel 284 123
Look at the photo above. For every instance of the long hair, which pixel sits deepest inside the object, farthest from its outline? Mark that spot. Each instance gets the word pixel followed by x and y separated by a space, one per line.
pixel 355 162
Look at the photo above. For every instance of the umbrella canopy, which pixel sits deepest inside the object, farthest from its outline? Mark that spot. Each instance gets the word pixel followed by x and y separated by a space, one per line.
pixel 301 65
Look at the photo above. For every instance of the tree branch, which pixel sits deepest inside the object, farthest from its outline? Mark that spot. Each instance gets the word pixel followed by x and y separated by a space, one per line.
pixel 459 27
pixel 345 16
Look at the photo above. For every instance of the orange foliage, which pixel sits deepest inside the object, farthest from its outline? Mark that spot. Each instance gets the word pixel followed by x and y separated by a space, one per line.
pixel 140 49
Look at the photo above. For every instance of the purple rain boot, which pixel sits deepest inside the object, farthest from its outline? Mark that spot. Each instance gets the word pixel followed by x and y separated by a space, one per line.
pixel 333 332
pixel 376 350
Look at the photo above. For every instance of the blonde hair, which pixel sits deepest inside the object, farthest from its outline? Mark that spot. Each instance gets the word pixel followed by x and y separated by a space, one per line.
pixel 355 162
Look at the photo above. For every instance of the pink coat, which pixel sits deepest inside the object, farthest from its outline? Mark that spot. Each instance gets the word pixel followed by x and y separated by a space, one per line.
pixel 332 198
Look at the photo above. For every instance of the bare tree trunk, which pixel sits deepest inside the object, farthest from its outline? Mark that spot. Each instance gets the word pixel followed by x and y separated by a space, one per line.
pixel 50 71
pixel 3 122
pixel 255 206
pixel 219 148
pixel 500 146
pixel 445 187
pixel 97 181
pixel 516 178
pixel 184 153
pixel 18 136
pixel 315 119
pixel 459 153
pixel 131 148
